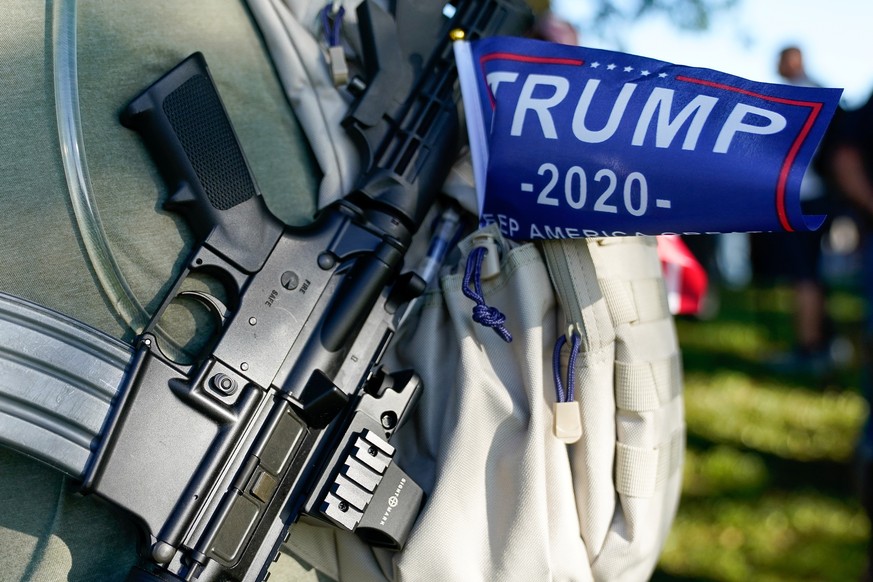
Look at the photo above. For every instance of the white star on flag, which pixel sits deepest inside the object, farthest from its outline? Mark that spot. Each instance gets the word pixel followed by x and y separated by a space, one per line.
pixel 628 69
pixel 610 66
pixel 595 64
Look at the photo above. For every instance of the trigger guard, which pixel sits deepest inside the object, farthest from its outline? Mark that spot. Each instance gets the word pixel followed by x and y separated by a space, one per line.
pixel 212 304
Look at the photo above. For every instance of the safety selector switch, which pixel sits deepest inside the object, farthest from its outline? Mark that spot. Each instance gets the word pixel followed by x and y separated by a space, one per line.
pixel 371 495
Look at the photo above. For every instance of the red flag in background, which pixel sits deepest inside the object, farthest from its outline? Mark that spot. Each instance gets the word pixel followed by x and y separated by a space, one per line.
pixel 684 276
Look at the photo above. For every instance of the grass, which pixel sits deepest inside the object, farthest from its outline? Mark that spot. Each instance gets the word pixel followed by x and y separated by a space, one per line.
pixel 769 489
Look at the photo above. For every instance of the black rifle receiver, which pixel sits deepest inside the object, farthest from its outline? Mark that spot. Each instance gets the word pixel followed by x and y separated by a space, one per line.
pixel 287 411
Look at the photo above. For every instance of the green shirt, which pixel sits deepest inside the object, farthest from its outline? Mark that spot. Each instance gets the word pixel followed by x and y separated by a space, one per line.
pixel 47 531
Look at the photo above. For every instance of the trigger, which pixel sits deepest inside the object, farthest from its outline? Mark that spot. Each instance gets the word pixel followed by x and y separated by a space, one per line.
pixel 214 306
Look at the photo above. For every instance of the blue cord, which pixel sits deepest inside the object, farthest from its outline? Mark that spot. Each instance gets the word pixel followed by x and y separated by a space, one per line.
pixel 482 313
pixel 332 23
pixel 571 367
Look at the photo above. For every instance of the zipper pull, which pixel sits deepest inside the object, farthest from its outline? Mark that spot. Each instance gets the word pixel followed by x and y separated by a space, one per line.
pixel 567 425
pixel 332 21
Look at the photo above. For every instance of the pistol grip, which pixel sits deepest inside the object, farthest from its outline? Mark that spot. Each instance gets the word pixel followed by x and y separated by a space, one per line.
pixel 187 131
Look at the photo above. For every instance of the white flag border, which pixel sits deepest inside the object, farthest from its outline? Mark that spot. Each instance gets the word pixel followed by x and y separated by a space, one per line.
pixel 468 79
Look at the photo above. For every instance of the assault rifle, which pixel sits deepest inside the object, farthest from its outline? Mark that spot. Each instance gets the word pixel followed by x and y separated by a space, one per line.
pixel 288 411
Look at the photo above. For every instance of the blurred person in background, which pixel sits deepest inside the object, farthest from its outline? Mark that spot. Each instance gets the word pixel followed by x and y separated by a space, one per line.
pixel 796 257
pixel 852 165
pixel 551 27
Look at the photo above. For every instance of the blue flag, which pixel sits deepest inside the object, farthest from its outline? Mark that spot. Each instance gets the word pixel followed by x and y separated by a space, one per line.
pixel 570 142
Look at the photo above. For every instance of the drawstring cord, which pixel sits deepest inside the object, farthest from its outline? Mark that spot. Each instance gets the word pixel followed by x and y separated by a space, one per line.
pixel 332 21
pixel 483 314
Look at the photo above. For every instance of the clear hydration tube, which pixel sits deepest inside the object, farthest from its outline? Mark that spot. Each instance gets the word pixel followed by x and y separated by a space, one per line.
pixel 111 279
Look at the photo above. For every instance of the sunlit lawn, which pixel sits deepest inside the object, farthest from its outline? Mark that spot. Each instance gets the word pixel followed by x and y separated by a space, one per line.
pixel 769 491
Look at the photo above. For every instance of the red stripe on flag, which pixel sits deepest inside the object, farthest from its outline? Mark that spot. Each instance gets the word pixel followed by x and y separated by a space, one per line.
pixel 781 184
pixel 529 59
pixel 524 59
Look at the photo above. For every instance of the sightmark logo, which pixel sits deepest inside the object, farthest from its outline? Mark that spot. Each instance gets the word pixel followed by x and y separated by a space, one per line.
pixel 393 501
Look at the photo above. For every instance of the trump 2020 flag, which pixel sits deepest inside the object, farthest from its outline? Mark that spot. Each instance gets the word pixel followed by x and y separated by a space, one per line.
pixel 569 142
